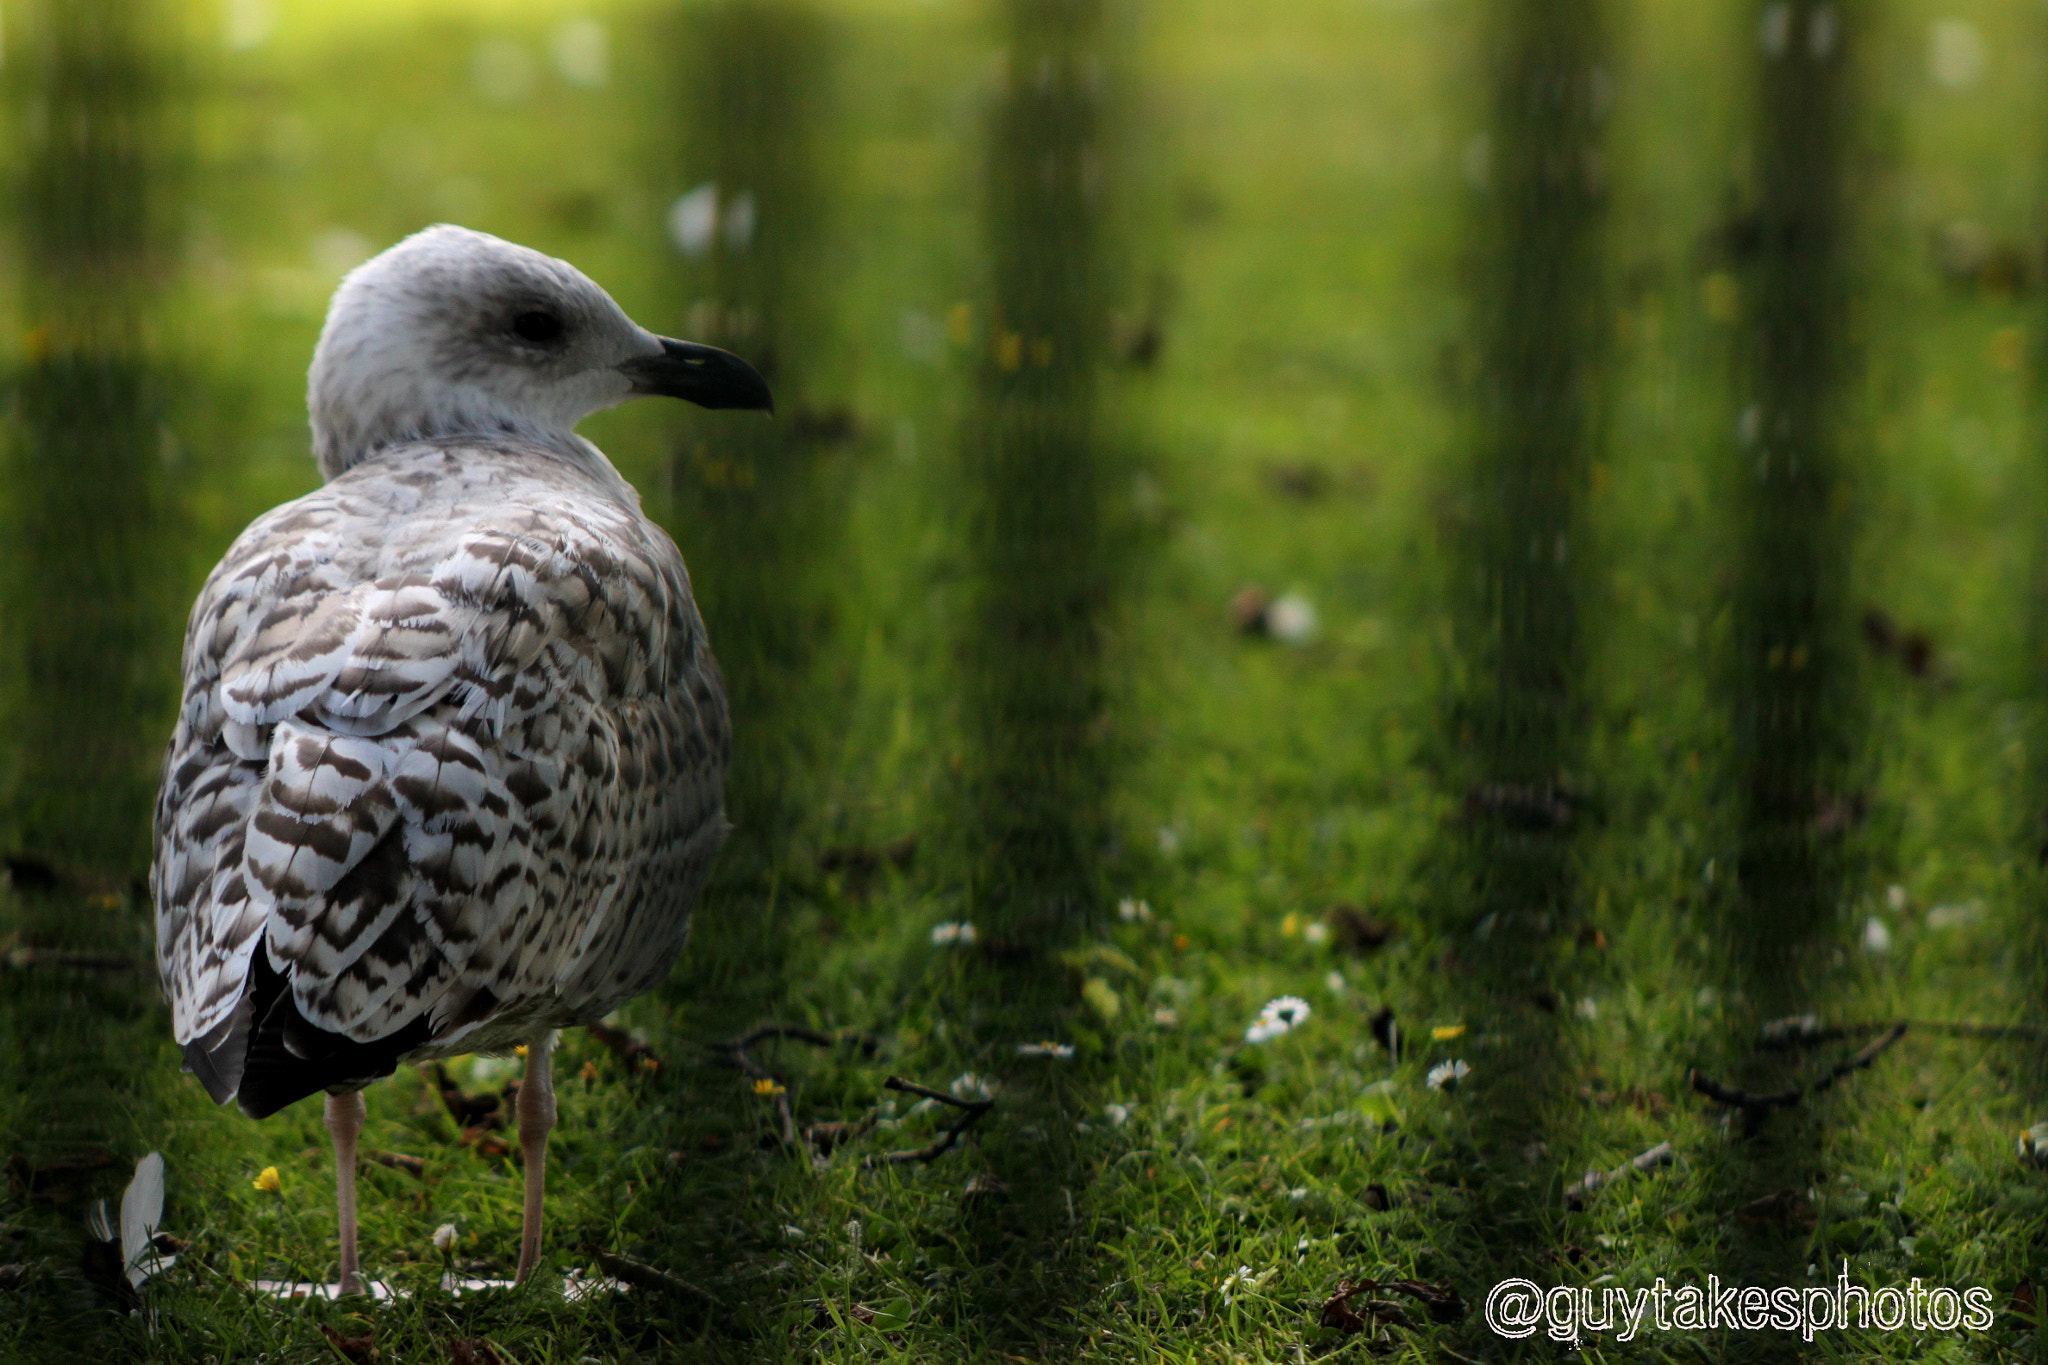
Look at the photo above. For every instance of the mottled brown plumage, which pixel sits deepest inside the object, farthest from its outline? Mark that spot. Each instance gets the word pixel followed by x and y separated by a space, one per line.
pixel 448 772
pixel 451 750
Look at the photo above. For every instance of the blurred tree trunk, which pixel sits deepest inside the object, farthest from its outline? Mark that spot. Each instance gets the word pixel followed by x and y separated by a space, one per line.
pixel 759 501
pixel 1034 771
pixel 87 638
pixel 1792 699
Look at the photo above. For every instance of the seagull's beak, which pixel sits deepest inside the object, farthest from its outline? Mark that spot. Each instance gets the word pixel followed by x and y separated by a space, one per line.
pixel 703 375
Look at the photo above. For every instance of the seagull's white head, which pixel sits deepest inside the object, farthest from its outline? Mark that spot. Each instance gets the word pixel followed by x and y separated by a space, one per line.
pixel 453 332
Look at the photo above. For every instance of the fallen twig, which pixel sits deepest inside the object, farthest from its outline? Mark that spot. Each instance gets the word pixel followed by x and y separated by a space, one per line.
pixel 737 1047
pixel 399 1161
pixel 24 958
pixel 1663 1154
pixel 823 1137
pixel 1441 1302
pixel 358 1350
pixel 481 1111
pixel 1756 1108
pixel 1806 1030
pixel 643 1276
pixel 971 1112
pixel 736 1051
pixel 2025 1033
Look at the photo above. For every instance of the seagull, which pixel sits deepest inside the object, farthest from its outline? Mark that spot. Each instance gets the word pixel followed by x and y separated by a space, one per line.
pixel 448 774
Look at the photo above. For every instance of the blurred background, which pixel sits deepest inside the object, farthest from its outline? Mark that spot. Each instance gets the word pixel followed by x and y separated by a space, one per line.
pixel 1521 473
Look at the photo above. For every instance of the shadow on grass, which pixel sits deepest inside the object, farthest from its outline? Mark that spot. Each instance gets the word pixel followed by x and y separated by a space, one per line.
pixel 87 661
pixel 1791 686
pixel 69 1025
pixel 758 503
pixel 756 507
pixel 88 658
pixel 1031 822
pixel 1505 876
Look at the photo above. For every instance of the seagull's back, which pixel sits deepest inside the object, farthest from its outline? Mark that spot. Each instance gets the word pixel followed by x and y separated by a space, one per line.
pixel 448 769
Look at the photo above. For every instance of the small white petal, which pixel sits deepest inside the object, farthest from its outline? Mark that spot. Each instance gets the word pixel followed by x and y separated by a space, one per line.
pixel 693 220
pixel 1291 619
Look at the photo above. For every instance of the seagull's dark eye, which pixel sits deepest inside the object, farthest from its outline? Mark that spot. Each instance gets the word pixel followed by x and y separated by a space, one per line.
pixel 537 326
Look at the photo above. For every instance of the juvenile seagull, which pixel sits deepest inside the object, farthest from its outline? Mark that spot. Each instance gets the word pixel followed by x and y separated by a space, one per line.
pixel 449 768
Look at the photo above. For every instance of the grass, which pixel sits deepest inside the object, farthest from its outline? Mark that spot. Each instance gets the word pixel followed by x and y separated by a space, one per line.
pixel 1302 192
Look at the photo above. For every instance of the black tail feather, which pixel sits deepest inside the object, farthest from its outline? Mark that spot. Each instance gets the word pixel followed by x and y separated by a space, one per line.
pixel 216 1058
pixel 268 1055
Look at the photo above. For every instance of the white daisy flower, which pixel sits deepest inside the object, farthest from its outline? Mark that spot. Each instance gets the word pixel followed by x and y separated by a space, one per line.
pixel 1045 1050
pixel 950 932
pixel 1446 1075
pixel 1240 1280
pixel 1278 1017
pixel 1133 911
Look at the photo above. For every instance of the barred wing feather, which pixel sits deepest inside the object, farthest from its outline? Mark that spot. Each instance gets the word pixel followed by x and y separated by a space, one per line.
pixel 451 755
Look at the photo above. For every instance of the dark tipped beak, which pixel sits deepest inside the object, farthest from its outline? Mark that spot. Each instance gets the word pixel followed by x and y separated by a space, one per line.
pixel 703 375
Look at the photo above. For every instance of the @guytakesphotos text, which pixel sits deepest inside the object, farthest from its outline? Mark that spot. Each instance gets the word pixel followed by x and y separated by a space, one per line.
pixel 1520 1308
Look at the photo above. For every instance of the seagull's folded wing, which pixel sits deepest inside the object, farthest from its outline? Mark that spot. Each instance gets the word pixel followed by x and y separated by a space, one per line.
pixel 433 785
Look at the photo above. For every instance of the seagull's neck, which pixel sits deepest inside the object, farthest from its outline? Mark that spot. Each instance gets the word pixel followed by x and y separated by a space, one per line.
pixel 346 433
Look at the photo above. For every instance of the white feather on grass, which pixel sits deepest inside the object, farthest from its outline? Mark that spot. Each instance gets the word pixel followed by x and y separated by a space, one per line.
pixel 142 1213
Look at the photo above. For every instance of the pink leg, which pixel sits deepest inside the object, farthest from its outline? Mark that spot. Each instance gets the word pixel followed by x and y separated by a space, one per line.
pixel 344 1121
pixel 536 1117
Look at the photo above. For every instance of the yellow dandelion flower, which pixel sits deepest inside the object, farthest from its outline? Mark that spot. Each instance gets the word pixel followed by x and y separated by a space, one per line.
pixel 269 1181
pixel 589 1072
pixel 649 1064
pixel 1448 1031
pixel 519 1051
pixel 764 1086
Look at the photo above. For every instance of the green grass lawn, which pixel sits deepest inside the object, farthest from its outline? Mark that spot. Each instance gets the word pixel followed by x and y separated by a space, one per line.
pixel 1298 184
